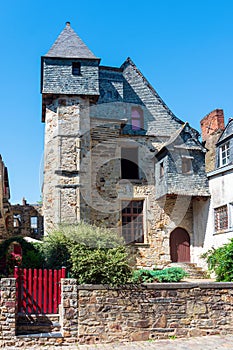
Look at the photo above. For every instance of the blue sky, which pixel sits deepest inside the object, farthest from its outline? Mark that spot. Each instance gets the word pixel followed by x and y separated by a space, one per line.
pixel 183 47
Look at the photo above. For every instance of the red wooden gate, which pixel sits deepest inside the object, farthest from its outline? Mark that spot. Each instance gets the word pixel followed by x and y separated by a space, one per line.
pixel 38 290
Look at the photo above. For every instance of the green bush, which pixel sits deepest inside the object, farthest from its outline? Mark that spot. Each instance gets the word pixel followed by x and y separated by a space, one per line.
pixel 220 261
pixel 91 254
pixel 172 274
pixel 55 249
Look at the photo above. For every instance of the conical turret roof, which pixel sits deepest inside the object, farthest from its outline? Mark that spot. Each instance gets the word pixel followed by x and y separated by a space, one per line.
pixel 69 45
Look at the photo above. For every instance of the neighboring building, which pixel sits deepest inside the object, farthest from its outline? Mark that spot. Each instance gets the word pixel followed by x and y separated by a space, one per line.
pixel 19 219
pixel 5 209
pixel 115 153
pixel 27 220
pixel 219 227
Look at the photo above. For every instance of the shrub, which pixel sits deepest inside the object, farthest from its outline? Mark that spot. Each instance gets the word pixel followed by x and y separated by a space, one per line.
pixel 55 249
pixel 220 261
pixel 91 254
pixel 172 274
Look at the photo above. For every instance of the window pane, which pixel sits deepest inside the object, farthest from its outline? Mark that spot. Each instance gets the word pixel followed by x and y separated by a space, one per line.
pixel 132 222
pixel 221 218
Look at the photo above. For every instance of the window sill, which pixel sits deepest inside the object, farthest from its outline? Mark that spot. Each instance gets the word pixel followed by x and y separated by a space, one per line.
pixel 143 245
pixel 223 231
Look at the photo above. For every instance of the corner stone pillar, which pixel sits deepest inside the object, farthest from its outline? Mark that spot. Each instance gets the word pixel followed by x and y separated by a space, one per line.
pixel 69 309
pixel 7 309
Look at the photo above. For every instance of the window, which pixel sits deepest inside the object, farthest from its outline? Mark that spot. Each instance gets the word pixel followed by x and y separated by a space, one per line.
pixel 186 165
pixel 137 121
pixel 224 154
pixel 109 94
pixel 17 220
pixel 132 221
pixel 129 163
pixel 76 68
pixel 221 218
pixel 230 215
pixel 34 224
pixel 161 170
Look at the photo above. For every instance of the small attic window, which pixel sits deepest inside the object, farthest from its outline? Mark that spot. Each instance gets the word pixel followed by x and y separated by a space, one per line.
pixel 76 68
pixel 161 170
pixel 137 121
pixel 187 165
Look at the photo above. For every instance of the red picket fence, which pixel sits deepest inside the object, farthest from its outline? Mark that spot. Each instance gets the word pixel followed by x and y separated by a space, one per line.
pixel 38 290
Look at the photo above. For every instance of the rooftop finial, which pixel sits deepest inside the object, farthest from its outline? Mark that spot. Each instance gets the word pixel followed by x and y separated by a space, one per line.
pixel 68 24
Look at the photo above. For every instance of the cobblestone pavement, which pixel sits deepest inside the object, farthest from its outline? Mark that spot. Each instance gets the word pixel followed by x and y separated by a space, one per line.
pixel 198 343
pixel 214 342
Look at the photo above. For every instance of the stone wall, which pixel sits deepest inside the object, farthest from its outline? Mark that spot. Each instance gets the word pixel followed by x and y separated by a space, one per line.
pixel 23 214
pixel 6 222
pixel 7 311
pixel 100 314
pixel 154 311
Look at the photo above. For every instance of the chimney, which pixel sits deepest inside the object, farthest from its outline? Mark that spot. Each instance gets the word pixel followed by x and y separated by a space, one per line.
pixel 24 202
pixel 212 123
pixel 212 126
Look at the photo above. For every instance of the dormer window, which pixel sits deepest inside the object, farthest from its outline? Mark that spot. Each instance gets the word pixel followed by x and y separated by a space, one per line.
pixel 76 68
pixel 187 165
pixel 224 156
pixel 161 170
pixel 137 120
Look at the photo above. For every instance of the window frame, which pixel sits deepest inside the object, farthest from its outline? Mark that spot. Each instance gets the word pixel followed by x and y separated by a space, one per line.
pixel 224 149
pixel 161 169
pixel 221 218
pixel 76 68
pixel 187 165
pixel 129 215
pixel 139 118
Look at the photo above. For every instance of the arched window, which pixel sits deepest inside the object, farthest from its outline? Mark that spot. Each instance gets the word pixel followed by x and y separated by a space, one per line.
pixel 137 120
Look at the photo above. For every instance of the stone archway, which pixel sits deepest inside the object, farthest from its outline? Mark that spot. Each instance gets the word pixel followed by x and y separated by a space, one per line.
pixel 180 245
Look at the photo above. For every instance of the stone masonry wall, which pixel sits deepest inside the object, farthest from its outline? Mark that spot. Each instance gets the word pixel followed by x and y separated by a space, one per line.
pixel 100 314
pixel 154 311
pixel 7 311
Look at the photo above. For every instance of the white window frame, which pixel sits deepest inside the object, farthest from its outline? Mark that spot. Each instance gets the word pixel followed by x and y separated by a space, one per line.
pixel 219 218
pixel 224 154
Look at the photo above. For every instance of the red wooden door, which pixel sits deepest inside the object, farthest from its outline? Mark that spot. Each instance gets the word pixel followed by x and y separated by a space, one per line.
pixel 180 245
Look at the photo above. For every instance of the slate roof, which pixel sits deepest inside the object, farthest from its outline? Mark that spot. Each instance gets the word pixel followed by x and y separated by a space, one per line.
pixel 69 45
pixel 227 132
pixel 185 128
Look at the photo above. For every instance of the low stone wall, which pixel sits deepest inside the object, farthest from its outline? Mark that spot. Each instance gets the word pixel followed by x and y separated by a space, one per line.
pixel 154 311
pixel 96 313
pixel 7 311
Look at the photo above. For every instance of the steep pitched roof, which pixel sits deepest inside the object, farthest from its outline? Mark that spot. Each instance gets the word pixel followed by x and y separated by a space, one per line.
pixel 177 139
pixel 69 45
pixel 129 61
pixel 227 132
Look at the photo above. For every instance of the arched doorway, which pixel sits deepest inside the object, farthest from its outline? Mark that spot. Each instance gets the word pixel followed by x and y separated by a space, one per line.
pixel 180 245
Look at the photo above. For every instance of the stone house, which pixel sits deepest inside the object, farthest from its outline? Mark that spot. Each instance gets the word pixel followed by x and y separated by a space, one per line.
pixel 19 219
pixel 115 153
pixel 27 220
pixel 219 140
pixel 5 208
